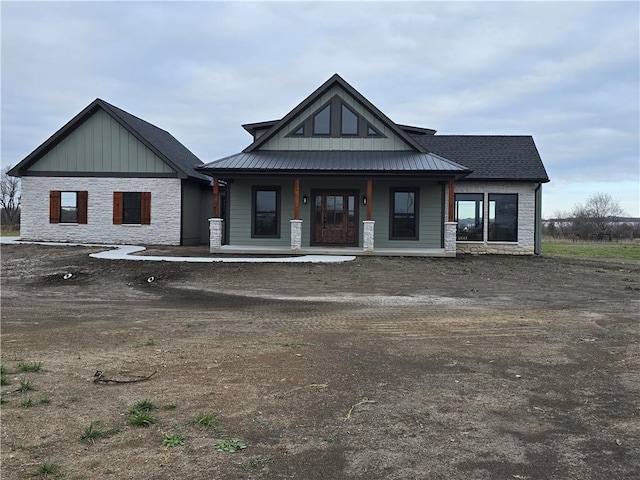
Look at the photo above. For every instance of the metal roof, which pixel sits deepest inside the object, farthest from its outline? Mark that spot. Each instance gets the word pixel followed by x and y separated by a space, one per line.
pixel 347 162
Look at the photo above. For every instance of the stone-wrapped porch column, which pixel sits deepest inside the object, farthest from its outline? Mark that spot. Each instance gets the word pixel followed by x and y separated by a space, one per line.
pixel 296 234
pixel 450 229
pixel 367 235
pixel 215 234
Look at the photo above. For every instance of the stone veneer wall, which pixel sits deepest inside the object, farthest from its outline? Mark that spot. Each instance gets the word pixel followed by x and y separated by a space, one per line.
pixel 526 217
pixel 165 210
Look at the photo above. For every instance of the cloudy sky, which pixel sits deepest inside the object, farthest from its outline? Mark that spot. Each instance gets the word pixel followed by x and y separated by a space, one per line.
pixel 565 72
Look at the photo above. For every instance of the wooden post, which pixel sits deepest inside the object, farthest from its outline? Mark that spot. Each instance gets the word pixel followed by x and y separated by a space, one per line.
pixel 296 199
pixel 369 198
pixel 216 198
pixel 451 202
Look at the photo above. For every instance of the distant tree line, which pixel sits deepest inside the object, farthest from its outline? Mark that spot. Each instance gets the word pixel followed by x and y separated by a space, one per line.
pixel 600 219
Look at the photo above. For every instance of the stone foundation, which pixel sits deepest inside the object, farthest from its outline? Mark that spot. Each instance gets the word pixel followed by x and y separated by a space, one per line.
pixel 296 234
pixel 367 235
pixel 495 249
pixel 215 234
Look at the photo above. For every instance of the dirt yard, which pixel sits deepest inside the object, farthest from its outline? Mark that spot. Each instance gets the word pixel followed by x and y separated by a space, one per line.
pixel 380 368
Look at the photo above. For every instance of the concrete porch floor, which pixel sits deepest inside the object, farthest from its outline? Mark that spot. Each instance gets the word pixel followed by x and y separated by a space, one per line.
pixel 386 252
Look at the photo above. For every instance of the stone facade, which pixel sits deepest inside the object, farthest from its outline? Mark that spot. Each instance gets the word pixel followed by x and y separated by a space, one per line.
pixel 526 217
pixel 165 211
pixel 215 234
pixel 296 234
pixel 368 235
pixel 450 237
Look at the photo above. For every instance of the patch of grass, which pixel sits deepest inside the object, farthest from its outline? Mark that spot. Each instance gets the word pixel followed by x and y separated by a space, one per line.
pixel 145 405
pixel 9 233
pixel 173 439
pixel 141 418
pixel 27 403
pixel 360 365
pixel 230 446
pixel 26 367
pixel 170 406
pixel 26 385
pixel 44 401
pixel 46 469
pixel 4 380
pixel 3 398
pixel 625 251
pixel 256 461
pixel 74 398
pixel 206 419
pixel 91 433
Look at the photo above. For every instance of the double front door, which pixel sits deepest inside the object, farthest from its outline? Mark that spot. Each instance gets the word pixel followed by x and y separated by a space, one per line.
pixel 335 217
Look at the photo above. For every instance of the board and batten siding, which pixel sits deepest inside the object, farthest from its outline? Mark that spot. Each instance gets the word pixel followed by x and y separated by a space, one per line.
pixel 281 142
pixel 526 217
pixel 101 144
pixel 165 211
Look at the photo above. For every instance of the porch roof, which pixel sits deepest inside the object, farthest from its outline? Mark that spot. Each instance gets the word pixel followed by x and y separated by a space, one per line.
pixel 333 162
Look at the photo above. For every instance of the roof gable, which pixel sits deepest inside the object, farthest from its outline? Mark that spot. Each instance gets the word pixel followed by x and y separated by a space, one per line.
pixel 160 142
pixel 279 135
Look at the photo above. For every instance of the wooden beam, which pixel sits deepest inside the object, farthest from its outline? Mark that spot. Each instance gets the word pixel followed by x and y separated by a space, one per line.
pixel 216 199
pixel 296 199
pixel 369 198
pixel 451 202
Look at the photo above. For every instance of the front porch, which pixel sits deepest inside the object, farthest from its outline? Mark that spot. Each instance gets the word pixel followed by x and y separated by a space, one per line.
pixel 383 252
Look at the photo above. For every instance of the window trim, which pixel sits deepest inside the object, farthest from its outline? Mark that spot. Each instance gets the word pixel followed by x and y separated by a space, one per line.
pixel 269 188
pixel 517 197
pixel 416 213
pixel 482 212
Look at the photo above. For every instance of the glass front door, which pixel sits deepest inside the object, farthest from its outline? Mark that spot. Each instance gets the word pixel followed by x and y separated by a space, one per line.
pixel 335 218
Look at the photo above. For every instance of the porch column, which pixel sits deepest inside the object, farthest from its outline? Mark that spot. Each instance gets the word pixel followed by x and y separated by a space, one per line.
pixel 216 198
pixel 451 216
pixel 450 229
pixel 296 223
pixel 368 229
pixel 215 234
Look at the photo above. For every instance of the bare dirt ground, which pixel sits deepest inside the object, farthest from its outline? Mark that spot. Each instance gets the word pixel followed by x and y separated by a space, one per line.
pixel 380 368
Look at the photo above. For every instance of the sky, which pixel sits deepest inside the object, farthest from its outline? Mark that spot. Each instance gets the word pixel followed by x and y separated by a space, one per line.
pixel 567 73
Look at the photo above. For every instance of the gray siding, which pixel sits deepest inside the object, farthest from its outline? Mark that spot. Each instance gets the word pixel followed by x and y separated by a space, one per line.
pixel 206 212
pixel 281 142
pixel 430 211
pixel 101 145
pixel 191 214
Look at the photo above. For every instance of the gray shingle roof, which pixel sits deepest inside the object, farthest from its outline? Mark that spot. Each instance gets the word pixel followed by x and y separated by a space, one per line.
pixel 347 162
pixel 490 157
pixel 161 142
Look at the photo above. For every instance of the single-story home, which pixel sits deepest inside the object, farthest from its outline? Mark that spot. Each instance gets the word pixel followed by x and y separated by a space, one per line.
pixel 335 174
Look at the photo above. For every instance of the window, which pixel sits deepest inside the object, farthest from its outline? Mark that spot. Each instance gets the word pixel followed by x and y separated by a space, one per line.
pixel 299 131
pixel 68 207
pixel 404 214
pixel 503 217
pixel 132 208
pixel 469 215
pixel 349 123
pixel 322 121
pixel 266 208
pixel 372 132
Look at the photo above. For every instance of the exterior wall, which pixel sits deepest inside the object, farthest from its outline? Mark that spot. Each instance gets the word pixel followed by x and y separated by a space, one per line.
pixel 206 210
pixel 192 217
pixel 101 144
pixel 430 211
pixel 282 142
pixel 165 210
pixel 526 217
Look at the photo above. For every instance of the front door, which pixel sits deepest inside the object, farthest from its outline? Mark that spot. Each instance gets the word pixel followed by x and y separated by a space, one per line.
pixel 335 218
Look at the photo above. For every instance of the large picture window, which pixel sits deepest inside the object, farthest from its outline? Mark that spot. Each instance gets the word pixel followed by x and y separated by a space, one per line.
pixel 503 217
pixel 265 215
pixel 68 207
pixel 469 215
pixel 132 208
pixel 322 121
pixel 404 214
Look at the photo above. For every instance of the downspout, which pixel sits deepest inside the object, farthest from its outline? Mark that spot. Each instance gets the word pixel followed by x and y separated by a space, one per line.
pixel 537 228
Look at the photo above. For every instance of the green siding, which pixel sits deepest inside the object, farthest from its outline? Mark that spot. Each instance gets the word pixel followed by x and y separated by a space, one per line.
pixel 281 142
pixel 430 211
pixel 206 211
pixel 191 214
pixel 101 145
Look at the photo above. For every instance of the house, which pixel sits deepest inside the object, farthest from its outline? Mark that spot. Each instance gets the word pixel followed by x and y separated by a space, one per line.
pixel 335 174
pixel 110 177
